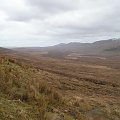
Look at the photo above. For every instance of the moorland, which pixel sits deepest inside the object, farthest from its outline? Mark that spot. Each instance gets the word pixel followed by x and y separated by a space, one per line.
pixel 53 83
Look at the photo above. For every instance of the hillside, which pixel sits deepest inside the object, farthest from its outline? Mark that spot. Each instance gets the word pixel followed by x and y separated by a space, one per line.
pixel 36 84
pixel 96 48
pixel 25 96
pixel 5 50
pixel 52 89
pixel 117 49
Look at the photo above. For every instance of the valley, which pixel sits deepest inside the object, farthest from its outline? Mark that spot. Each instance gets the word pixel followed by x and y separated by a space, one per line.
pixel 37 86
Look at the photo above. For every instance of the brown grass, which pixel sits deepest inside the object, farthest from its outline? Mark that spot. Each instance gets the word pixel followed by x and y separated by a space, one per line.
pixel 82 88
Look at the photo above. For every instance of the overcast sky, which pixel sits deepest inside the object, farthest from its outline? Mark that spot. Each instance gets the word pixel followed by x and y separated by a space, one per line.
pixel 49 22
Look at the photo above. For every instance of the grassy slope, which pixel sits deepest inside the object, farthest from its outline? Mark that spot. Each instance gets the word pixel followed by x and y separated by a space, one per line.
pixel 24 94
pixel 16 110
pixel 33 93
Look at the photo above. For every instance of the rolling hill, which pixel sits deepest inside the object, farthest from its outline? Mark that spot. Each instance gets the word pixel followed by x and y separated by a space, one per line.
pixel 104 47
pixel 34 85
pixel 5 50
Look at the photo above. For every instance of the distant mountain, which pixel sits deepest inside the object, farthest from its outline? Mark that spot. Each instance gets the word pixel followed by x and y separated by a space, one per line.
pixel 96 48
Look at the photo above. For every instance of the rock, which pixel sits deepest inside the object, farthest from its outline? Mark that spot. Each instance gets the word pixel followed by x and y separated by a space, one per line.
pixel 66 111
pixel 53 110
pixel 56 110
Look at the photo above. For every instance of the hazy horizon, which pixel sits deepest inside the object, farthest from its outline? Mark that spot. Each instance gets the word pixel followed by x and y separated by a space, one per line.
pixel 40 23
pixel 57 44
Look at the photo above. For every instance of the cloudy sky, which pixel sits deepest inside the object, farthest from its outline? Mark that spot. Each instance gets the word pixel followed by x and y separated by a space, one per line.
pixel 49 22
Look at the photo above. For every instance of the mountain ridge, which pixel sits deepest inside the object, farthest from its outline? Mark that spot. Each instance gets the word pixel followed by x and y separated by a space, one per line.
pixel 95 48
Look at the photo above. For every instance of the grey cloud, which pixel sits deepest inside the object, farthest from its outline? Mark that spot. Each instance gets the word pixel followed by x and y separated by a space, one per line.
pixel 20 17
pixel 64 20
pixel 54 6
pixel 105 23
pixel 40 9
